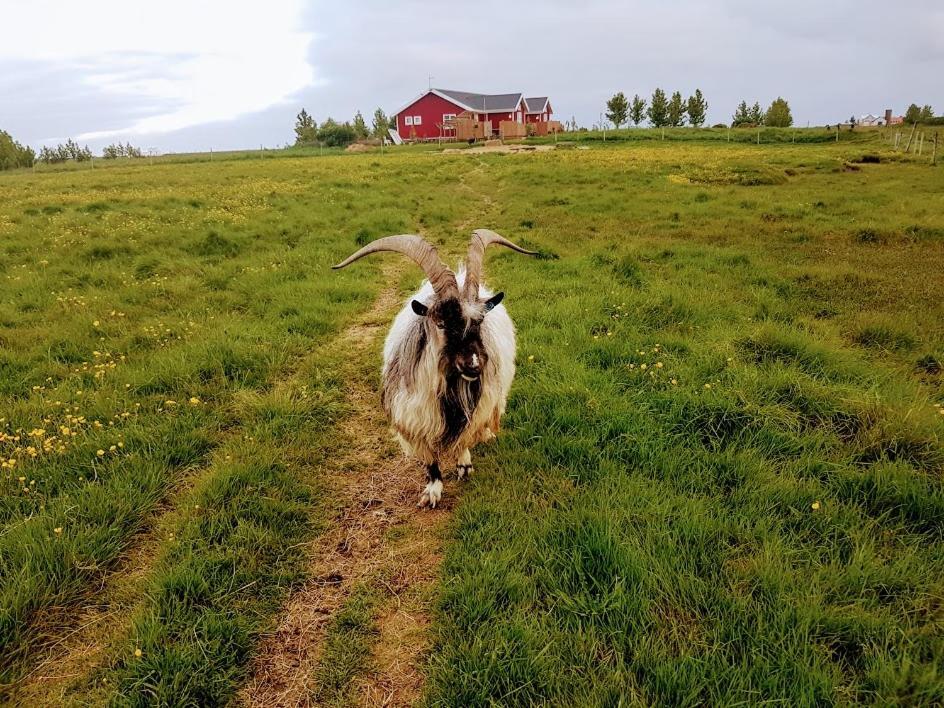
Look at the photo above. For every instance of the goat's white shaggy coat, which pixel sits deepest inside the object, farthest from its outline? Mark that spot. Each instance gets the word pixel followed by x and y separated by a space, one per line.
pixel 449 358
pixel 413 407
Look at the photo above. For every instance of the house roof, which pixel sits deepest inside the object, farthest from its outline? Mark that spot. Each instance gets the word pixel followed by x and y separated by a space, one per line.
pixel 482 101
pixel 536 104
pixel 475 102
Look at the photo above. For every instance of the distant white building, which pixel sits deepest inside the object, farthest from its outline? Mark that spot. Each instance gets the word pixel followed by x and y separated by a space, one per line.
pixel 869 119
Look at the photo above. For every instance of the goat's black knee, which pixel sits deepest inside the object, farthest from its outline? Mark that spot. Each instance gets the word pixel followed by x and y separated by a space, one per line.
pixel 432 472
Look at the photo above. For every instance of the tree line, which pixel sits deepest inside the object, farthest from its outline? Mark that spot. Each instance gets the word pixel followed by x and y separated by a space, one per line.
pixel 777 115
pixel 924 114
pixel 660 111
pixel 70 150
pixel 665 112
pixel 333 134
pixel 113 152
pixel 13 154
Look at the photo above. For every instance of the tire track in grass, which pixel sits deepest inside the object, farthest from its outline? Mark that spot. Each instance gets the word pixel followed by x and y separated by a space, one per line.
pixel 380 551
pixel 358 630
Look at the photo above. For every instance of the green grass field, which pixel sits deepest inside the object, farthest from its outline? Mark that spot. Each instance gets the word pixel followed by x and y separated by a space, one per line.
pixel 719 480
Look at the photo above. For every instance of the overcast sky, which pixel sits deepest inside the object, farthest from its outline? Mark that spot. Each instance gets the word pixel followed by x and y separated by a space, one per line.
pixel 199 74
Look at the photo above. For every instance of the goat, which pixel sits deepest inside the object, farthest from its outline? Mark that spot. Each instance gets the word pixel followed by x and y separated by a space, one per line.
pixel 449 358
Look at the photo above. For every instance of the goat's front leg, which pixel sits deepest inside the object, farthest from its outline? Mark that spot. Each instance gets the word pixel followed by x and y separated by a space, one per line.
pixel 464 465
pixel 434 487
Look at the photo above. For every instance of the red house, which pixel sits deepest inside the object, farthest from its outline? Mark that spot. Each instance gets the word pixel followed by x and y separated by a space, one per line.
pixel 425 117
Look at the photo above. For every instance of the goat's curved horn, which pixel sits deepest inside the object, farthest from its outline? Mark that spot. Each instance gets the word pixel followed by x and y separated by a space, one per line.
pixel 440 277
pixel 481 239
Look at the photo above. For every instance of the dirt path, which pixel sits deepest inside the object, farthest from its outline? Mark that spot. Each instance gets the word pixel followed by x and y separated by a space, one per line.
pixel 377 536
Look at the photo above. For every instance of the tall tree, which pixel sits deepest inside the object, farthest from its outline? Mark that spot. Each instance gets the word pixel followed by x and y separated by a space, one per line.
pixel 306 130
pixel 637 110
pixel 697 108
pixel 617 109
pixel 381 124
pixel 741 116
pixel 756 115
pixel 778 115
pixel 658 111
pixel 676 110
pixel 927 113
pixel 360 126
pixel 12 154
pixel 913 114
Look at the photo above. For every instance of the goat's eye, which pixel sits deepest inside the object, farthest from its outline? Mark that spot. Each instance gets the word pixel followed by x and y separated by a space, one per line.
pixel 440 325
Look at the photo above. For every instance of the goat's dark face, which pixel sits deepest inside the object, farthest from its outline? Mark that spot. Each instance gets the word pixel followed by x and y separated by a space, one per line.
pixel 457 329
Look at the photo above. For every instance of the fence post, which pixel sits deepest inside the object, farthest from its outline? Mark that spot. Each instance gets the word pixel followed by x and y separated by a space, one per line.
pixel 837 132
pixel 934 151
pixel 758 136
pixel 911 137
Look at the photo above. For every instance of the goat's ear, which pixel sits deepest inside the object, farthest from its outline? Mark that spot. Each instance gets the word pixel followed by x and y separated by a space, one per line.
pixel 494 301
pixel 419 308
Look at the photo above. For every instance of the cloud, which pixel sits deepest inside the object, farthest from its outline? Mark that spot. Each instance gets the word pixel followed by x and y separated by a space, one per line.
pixel 188 63
pixel 200 74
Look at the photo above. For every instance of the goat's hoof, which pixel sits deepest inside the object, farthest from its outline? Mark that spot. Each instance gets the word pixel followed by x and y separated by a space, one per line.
pixel 463 471
pixel 431 495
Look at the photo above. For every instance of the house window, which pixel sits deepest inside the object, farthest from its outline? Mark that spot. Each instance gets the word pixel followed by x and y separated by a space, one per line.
pixel 417 120
pixel 448 117
pixel 409 120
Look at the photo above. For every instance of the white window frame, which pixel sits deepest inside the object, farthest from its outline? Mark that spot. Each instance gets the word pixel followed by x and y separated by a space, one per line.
pixel 448 117
pixel 417 120
pixel 408 120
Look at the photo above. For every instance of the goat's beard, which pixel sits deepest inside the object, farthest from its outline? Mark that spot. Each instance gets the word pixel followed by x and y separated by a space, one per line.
pixel 457 402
